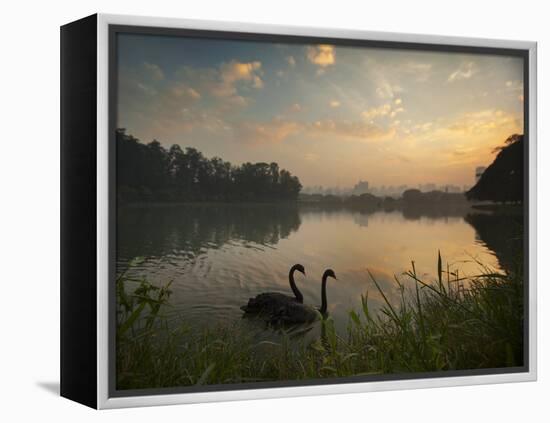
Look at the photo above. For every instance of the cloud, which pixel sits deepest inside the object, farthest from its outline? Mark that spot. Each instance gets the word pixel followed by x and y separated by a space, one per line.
pixel 234 100
pixel 258 83
pixel 322 55
pixel 295 107
pixel 484 121
pixel 423 127
pixel 157 109
pixel 514 85
pixel 445 147
pixel 140 81
pixel 146 89
pixel 142 91
pixel 280 130
pixel 181 90
pixel 465 71
pixel 375 112
pixel 418 67
pixel 394 112
pixel 230 83
pixel 233 72
pixel 420 71
pixel 385 105
pixel 360 130
pixel 466 139
pixel 154 71
pixel 385 90
pixel 386 109
pixel 271 132
pixel 167 110
pixel 516 88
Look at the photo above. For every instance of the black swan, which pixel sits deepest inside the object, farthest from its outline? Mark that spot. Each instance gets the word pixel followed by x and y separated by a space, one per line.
pixel 295 313
pixel 268 302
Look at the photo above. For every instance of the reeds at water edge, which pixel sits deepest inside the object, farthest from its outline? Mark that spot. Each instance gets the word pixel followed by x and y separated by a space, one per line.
pixel 451 323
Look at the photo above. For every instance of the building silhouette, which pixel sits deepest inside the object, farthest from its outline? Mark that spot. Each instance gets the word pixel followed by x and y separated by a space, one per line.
pixel 361 187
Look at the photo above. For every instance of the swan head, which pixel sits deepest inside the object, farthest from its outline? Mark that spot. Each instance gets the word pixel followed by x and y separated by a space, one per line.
pixel 329 273
pixel 299 268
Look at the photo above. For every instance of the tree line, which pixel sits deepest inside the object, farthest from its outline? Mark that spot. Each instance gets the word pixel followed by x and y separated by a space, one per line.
pixel 149 172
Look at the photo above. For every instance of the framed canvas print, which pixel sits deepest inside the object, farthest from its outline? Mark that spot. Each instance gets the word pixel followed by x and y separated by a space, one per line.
pixel 254 211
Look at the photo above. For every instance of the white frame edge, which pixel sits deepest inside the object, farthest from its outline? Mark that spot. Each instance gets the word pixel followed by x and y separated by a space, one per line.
pixel 103 399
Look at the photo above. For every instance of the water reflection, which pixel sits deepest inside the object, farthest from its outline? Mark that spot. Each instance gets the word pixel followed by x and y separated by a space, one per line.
pixel 220 255
pixel 501 233
pixel 192 229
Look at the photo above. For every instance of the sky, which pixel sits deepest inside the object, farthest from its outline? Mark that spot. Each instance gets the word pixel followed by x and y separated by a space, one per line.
pixel 330 114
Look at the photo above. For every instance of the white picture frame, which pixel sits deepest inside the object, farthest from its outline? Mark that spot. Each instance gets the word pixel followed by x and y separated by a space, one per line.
pixel 103 399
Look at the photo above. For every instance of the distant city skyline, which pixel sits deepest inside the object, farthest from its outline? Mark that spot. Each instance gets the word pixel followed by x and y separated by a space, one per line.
pixel 363 187
pixel 332 115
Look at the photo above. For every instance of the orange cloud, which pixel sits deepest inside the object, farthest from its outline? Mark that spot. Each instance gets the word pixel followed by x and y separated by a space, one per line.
pixel 384 110
pixel 233 72
pixel 484 121
pixel 322 55
pixel 375 112
pixel 279 130
pixel 274 131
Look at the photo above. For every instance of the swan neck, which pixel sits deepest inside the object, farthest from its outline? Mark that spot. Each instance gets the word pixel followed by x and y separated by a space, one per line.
pixel 323 308
pixel 295 290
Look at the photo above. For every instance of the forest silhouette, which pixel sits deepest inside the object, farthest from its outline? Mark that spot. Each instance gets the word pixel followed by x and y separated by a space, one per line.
pixel 149 172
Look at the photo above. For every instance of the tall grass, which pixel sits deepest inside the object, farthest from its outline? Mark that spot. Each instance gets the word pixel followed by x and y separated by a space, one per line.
pixel 452 323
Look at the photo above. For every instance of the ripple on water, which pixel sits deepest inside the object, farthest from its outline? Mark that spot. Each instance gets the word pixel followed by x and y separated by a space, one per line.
pixel 217 261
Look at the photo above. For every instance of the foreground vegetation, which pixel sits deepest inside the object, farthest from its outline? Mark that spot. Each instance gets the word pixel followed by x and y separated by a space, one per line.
pixel 451 323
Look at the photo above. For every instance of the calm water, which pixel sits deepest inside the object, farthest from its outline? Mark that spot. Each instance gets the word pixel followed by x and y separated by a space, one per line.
pixel 220 255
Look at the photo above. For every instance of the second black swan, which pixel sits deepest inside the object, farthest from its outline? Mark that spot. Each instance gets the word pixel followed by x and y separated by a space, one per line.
pixel 296 313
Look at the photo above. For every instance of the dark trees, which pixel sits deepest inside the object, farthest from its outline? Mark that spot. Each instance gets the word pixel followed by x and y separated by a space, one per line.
pixel 149 172
pixel 412 195
pixel 502 181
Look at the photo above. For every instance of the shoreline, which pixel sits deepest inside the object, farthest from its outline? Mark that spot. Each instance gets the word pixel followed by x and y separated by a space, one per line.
pixel 397 205
pixel 138 204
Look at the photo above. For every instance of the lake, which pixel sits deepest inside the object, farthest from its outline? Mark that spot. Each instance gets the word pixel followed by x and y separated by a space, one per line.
pixel 218 256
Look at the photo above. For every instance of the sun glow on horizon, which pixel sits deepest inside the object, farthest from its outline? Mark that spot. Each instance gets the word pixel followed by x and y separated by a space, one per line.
pixel 332 115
